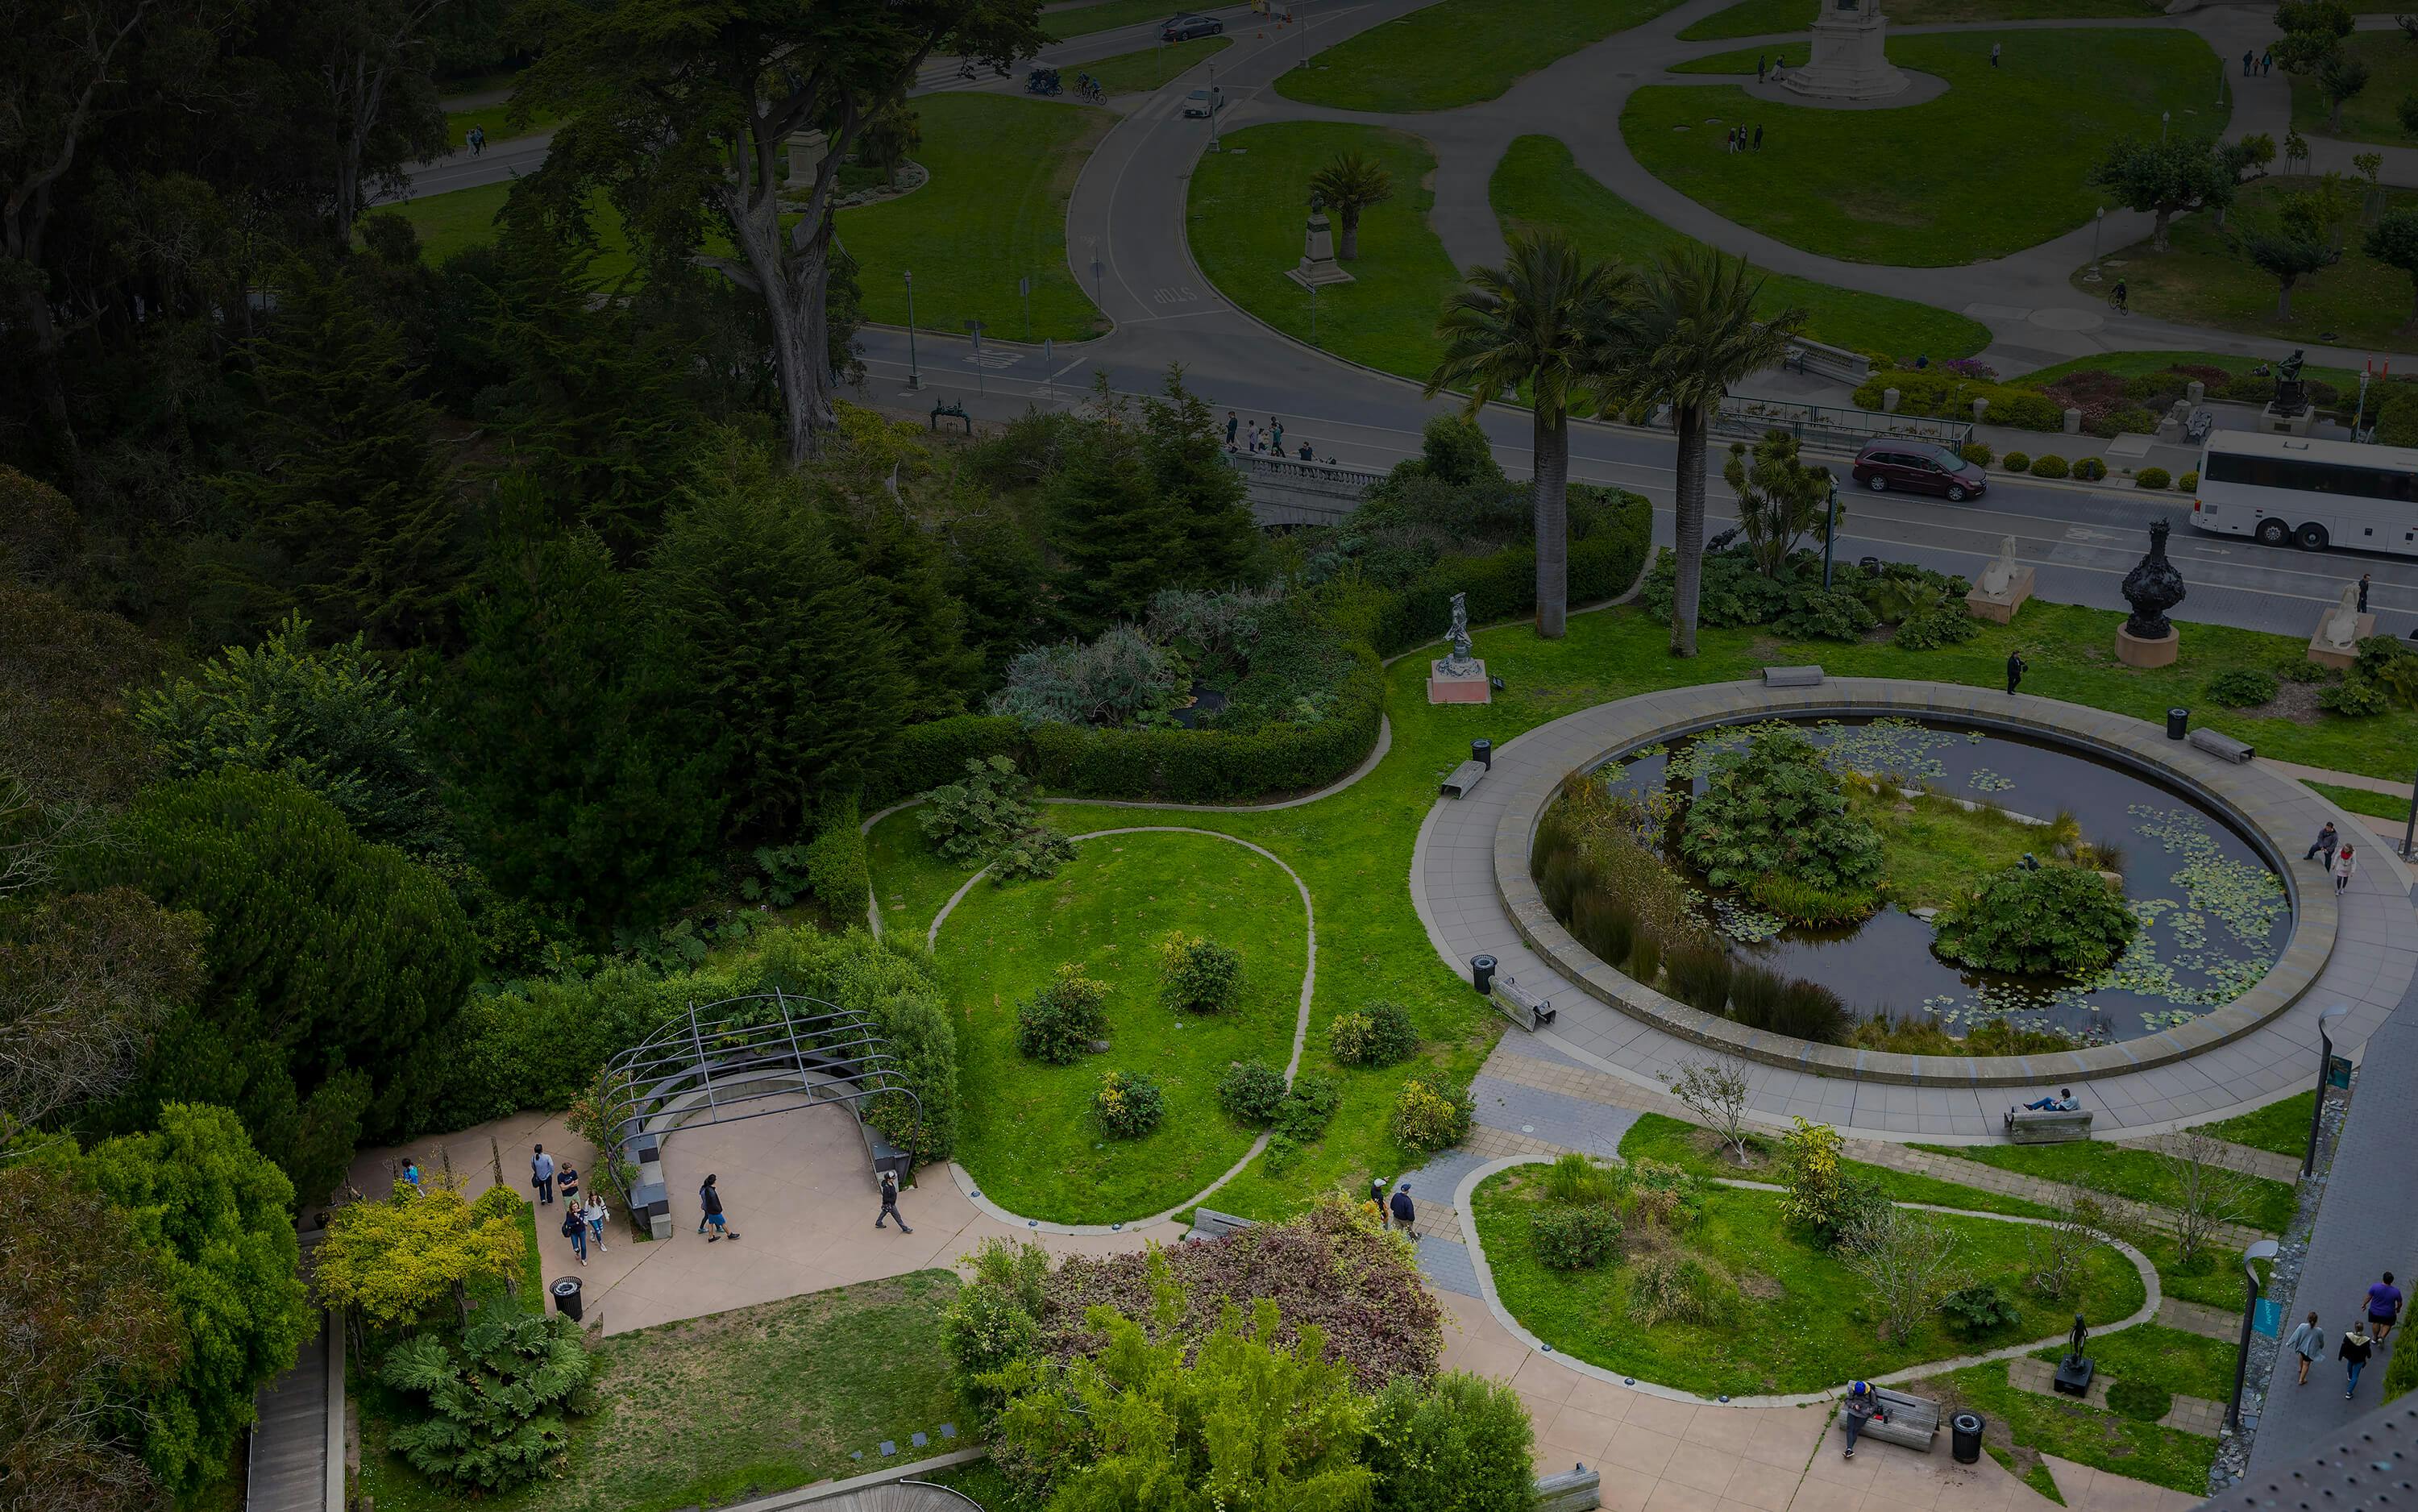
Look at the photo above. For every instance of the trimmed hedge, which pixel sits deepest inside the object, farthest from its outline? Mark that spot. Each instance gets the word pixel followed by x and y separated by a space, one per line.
pixel 1180 765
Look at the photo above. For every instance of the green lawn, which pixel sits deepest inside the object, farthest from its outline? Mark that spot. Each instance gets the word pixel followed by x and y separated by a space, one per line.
pixel 2372 114
pixel 2190 1365
pixel 2069 1430
pixel 1130 74
pixel 2359 800
pixel 2199 277
pixel 1457 51
pixel 994 211
pixel 1796 1328
pixel 2132 364
pixel 1537 183
pixel 2281 1127
pixel 720 1408
pixel 1245 223
pixel 1774 18
pixel 1027 1133
pixel 1939 183
pixel 496 119
pixel 465 217
pixel 2140 1174
pixel 1080 21
pixel 1675 1142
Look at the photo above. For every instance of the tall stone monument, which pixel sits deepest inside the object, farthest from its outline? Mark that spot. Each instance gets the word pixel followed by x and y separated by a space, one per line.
pixel 1317 265
pixel 1849 61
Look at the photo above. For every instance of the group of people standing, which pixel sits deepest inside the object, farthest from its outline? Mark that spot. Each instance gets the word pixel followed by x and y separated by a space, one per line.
pixel 1743 139
pixel 1256 440
pixel 582 1220
pixel 2329 851
pixel 2382 1309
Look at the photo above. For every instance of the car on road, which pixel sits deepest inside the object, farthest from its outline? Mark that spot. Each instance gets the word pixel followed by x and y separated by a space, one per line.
pixel 1184 28
pixel 1918 468
pixel 1201 103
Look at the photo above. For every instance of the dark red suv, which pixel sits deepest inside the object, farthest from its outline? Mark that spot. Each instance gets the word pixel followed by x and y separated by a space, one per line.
pixel 1918 468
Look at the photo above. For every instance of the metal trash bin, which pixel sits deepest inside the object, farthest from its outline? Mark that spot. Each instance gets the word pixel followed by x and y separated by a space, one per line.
pixel 2178 724
pixel 566 1297
pixel 1481 974
pixel 1482 752
pixel 1965 1437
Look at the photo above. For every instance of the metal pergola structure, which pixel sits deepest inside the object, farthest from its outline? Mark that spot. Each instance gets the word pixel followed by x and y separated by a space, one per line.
pixel 731 1052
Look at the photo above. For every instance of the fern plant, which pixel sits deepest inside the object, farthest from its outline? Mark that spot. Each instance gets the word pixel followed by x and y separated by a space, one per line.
pixel 496 1403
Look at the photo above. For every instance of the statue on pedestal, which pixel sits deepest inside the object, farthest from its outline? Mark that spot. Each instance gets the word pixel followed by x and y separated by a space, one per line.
pixel 1318 264
pixel 2341 629
pixel 1459 662
pixel 2291 394
pixel 2152 588
pixel 1849 58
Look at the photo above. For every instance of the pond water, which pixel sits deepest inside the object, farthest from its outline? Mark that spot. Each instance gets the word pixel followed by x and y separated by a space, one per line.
pixel 2214 915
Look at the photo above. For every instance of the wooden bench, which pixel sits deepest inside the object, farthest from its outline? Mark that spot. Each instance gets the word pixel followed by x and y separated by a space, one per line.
pixel 1577 1489
pixel 2049 1125
pixel 1520 1006
pixel 1464 779
pixel 2223 747
pixel 1792 677
pixel 1912 1424
pixel 1207 1223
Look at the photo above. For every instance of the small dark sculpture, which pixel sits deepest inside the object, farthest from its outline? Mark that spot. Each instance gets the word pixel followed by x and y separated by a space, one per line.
pixel 2074 1371
pixel 1317 201
pixel 2291 394
pixel 2152 588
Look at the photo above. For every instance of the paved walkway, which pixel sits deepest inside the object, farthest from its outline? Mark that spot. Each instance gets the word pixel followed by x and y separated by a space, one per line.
pixel 286 1469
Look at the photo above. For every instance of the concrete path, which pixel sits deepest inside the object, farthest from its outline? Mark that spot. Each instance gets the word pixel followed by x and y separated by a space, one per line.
pixel 287 1463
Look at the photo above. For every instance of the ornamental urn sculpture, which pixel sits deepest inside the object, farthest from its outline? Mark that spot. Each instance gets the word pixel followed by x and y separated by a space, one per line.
pixel 2151 588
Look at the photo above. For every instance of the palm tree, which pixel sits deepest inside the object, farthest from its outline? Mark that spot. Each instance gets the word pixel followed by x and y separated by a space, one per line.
pixel 1690 332
pixel 1534 322
pixel 1351 183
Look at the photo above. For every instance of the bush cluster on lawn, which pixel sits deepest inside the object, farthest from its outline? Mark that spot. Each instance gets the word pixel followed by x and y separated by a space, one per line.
pixel 2057 920
pixel 1251 1090
pixel 2242 687
pixel 1825 1198
pixel 1065 1014
pixel 1380 1034
pixel 1129 1103
pixel 1312 1101
pixel 991 817
pixel 1926 606
pixel 1427 1118
pixel 1197 975
pixel 1774 824
pixel 497 1402
pixel 2385 672
pixel 1979 1311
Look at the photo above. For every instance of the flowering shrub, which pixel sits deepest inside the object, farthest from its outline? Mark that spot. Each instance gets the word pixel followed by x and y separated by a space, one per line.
pixel 1202 976
pixel 1972 367
pixel 1058 1023
pixel 1378 1035
pixel 1428 1119
pixel 1129 1103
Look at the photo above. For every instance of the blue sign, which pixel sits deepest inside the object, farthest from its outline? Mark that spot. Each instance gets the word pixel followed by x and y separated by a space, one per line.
pixel 2268 1317
pixel 2338 1072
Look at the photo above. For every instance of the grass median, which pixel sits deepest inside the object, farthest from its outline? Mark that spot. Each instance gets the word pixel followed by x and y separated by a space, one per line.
pixel 1132 74
pixel 2373 113
pixel 1776 18
pixel 2122 1171
pixel 1457 53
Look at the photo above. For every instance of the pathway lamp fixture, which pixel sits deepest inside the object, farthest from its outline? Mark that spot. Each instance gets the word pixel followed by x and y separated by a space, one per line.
pixel 2326 1022
pixel 2263 1249
pixel 1831 531
pixel 914 377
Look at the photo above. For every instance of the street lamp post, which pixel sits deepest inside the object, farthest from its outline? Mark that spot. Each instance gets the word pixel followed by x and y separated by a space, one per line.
pixel 1830 532
pixel 1024 288
pixel 2098 223
pixel 914 375
pixel 2263 1249
pixel 2325 1062
pixel 2164 117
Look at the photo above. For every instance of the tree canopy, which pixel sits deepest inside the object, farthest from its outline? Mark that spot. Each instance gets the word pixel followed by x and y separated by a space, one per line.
pixel 390 1261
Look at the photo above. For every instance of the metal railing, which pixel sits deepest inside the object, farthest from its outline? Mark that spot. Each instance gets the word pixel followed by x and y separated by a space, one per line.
pixel 1823 425
pixel 1286 491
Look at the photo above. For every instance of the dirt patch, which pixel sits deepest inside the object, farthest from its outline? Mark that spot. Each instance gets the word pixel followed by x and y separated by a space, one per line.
pixel 1761 1288
pixel 1710 1145
pixel 2295 701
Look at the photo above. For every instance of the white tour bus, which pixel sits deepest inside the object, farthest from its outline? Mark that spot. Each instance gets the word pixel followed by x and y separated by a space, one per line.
pixel 2288 488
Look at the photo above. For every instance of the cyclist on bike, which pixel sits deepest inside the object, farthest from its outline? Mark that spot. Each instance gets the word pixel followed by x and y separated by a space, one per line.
pixel 2119 298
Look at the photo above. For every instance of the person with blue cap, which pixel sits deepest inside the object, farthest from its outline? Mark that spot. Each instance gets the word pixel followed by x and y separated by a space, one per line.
pixel 1863 1406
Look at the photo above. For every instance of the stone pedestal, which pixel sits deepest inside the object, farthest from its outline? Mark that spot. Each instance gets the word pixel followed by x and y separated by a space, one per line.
pixel 807 150
pixel 2000 608
pixel 2325 654
pixel 2133 650
pixel 1318 265
pixel 1467 685
pixel 1849 61
pixel 2276 422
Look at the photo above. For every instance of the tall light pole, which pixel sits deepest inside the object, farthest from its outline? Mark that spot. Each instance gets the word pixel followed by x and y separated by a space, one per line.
pixel 1831 531
pixel 2263 1249
pixel 2325 1064
pixel 2098 223
pixel 2164 117
pixel 914 375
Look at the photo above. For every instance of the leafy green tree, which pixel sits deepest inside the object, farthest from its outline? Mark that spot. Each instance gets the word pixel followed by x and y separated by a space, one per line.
pixel 2326 18
pixel 86 978
pixel 2287 251
pixel 1692 332
pixel 2165 177
pixel 1456 1442
pixel 572 779
pixel 215 1217
pixel 2393 240
pixel 333 719
pixel 90 1335
pixel 388 1262
pixel 497 1405
pixel 682 110
pixel 334 970
pixel 891 138
pixel 346 496
pixel 1532 325
pixel 1351 183
pixel 788 661
pixel 1781 497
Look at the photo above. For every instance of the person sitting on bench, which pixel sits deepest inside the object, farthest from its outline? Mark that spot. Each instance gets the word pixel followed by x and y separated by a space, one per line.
pixel 1863 1406
pixel 2064 1102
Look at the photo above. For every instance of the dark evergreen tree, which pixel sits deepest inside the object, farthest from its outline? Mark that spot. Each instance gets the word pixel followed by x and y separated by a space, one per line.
pixel 1118 540
pixel 1185 451
pixel 347 504
pixel 995 571
pixel 903 564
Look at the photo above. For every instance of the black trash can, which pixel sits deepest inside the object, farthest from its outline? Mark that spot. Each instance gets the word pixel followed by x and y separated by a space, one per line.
pixel 1482 752
pixel 2178 722
pixel 1481 974
pixel 566 1297
pixel 1965 1437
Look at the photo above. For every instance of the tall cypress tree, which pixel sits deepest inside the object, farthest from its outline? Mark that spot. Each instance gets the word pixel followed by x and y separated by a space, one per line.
pixel 345 495
pixel 1185 452
pixel 1117 537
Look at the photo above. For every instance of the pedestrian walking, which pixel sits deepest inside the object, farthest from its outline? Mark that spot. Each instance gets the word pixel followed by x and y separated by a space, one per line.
pixel 542 1176
pixel 1759 66
pixel 1758 137
pixel 2345 869
pixel 2249 60
pixel 2356 1348
pixel 566 1183
pixel 1276 436
pixel 2308 1342
pixel 411 1174
pixel 2362 592
pixel 1252 437
pixel 2121 298
pixel 2266 61
pixel 709 1198
pixel 890 1204
pixel 2017 667
pixel 1377 1196
pixel 1405 1212
pixel 2384 1298
pixel 1994 53
pixel 2325 844
pixel 596 1215
pixel 574 1228
pixel 1230 424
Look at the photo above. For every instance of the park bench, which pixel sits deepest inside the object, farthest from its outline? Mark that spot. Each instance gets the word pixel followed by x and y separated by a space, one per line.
pixel 1465 778
pixel 1792 677
pixel 1208 1223
pixel 953 412
pixel 2225 747
pixel 1912 1423
pixel 1573 1490
pixel 2048 1125
pixel 1520 1006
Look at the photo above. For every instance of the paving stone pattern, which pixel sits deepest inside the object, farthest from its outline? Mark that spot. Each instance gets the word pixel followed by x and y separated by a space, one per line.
pixel 2028 1374
pixel 2197 1318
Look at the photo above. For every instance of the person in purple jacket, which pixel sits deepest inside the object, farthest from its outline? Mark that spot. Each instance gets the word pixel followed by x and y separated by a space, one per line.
pixel 2383 1306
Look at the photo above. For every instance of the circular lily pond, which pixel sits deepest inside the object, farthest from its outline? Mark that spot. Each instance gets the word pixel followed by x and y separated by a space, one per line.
pixel 1954 806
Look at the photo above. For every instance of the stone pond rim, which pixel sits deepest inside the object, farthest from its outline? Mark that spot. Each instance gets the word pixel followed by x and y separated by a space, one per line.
pixel 2255 801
